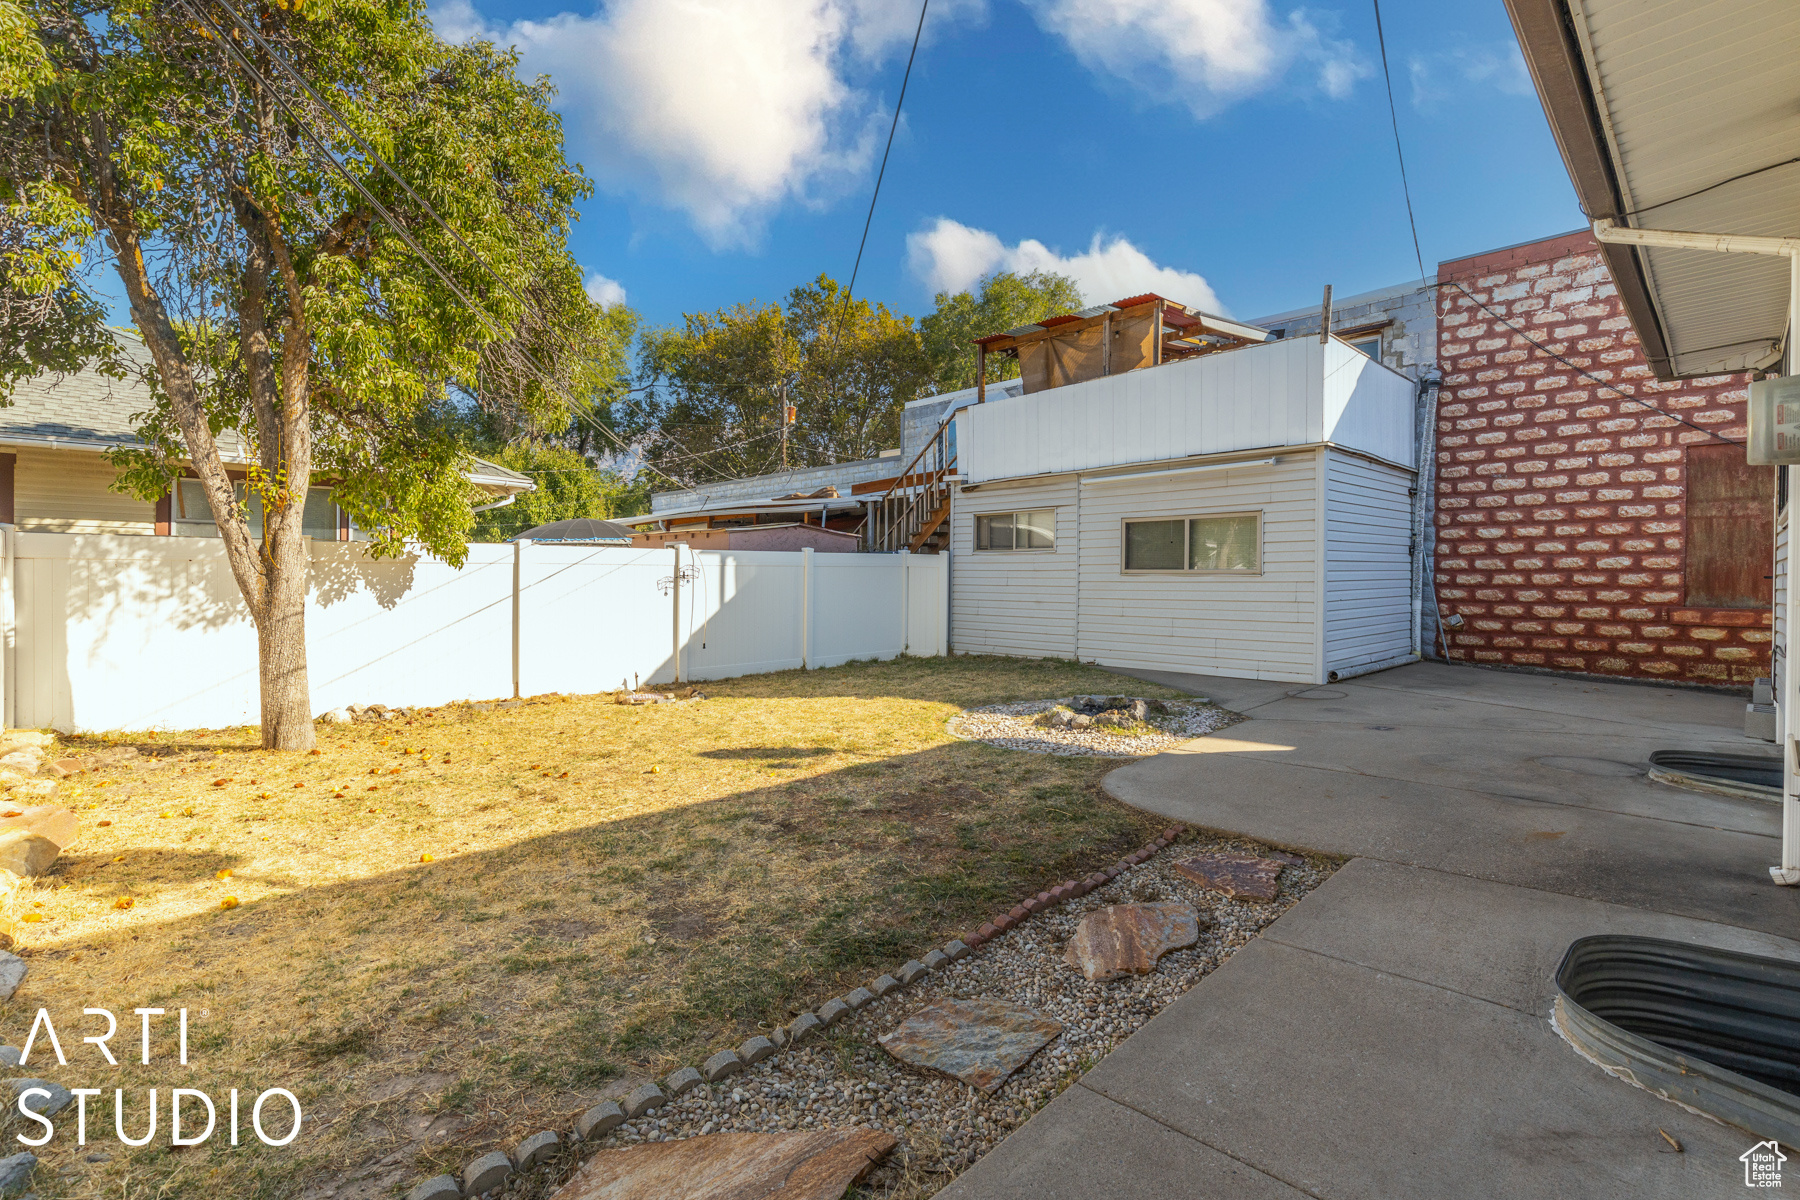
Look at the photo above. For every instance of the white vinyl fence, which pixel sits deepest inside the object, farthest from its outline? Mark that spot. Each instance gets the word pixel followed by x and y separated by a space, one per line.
pixel 119 632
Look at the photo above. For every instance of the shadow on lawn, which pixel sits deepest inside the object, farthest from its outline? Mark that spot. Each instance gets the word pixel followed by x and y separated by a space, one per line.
pixel 518 981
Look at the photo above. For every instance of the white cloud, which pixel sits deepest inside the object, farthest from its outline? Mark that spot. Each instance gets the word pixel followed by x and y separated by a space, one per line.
pixel 723 109
pixel 1205 53
pixel 952 257
pixel 603 291
pixel 1437 77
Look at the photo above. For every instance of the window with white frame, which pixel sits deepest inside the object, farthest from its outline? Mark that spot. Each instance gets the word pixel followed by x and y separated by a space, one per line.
pixel 1033 529
pixel 194 516
pixel 1220 543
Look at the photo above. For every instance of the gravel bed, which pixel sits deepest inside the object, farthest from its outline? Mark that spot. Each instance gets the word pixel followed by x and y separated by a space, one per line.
pixel 1010 725
pixel 843 1078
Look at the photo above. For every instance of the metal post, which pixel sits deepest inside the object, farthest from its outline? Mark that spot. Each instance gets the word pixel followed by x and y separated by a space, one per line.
pixel 518 571
pixel 980 374
pixel 1325 317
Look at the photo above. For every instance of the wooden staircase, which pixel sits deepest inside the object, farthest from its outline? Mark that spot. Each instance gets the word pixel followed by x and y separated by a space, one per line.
pixel 913 514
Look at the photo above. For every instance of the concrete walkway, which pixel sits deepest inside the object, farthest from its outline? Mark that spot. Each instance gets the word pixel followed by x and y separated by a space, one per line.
pixel 1388 1037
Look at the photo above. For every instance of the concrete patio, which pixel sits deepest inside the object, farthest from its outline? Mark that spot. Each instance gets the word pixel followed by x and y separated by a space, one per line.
pixel 1389 1036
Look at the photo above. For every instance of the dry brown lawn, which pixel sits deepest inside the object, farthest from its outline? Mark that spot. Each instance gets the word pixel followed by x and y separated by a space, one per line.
pixel 613 892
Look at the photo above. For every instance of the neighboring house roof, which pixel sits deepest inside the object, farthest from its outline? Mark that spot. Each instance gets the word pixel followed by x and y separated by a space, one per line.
pixel 85 410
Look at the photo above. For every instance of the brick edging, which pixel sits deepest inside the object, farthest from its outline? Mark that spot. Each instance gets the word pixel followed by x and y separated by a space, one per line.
pixel 494 1168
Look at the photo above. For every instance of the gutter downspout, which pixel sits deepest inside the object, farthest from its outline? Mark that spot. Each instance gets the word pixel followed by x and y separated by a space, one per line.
pixel 1788 873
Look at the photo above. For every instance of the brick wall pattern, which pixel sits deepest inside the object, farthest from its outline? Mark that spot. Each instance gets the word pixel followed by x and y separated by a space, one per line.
pixel 1559 503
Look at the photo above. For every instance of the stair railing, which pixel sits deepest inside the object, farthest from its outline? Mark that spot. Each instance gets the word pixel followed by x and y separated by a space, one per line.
pixel 914 498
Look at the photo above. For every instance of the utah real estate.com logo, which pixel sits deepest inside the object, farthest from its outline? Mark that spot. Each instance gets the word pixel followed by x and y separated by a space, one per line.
pixel 1762 1165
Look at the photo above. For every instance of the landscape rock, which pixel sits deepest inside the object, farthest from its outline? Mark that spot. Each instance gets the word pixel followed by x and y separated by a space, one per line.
pixel 25 853
pixel 32 788
pixel 755 1049
pixel 15 1173
pixel 883 985
pixel 62 768
pixel 10 1055
pixel 912 970
pixel 535 1149
pixel 858 998
pixel 487 1172
pixel 1284 858
pixel 721 1065
pixel 602 1118
pixel 12 974
pixel 680 1083
pixel 342 716
pixel 803 1025
pixel 833 1011
pixel 57 822
pixel 13 738
pixel 438 1187
pixel 1127 939
pixel 643 1100
pixel 980 1042
pixel 957 950
pixel 802 1165
pixel 1240 876
pixel 59 1098
pixel 1081 721
pixel 26 759
pixel 935 959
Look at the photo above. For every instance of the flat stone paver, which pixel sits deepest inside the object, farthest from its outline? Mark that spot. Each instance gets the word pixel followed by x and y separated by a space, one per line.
pixel 1127 939
pixel 1388 1036
pixel 980 1042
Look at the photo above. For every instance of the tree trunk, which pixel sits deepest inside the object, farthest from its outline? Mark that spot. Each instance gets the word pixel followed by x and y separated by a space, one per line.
pixel 287 722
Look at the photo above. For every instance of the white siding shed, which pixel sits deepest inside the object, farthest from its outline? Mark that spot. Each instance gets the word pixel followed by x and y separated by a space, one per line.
pixel 1309 445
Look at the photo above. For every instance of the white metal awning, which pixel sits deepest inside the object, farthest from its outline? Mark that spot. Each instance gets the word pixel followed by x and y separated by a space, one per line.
pixel 1681 114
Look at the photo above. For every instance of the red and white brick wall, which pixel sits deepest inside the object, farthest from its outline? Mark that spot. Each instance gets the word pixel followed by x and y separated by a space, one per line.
pixel 1559 503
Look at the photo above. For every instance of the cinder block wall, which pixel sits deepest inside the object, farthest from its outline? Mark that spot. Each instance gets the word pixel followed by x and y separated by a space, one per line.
pixel 1560 505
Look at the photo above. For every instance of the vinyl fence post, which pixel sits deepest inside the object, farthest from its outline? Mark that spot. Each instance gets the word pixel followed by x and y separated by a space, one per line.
pixel 675 610
pixel 806 602
pixel 8 631
pixel 905 557
pixel 518 573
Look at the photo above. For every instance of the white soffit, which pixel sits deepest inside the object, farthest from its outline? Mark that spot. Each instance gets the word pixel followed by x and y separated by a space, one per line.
pixel 1690 94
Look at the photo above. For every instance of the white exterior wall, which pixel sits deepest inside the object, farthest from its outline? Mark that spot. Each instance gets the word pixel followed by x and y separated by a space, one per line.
pixel 1287 393
pixel 1243 626
pixel 69 491
pixel 138 633
pixel 1368 565
pixel 1020 601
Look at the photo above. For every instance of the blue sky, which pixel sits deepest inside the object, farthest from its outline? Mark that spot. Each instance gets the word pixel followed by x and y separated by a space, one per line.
pixel 1229 153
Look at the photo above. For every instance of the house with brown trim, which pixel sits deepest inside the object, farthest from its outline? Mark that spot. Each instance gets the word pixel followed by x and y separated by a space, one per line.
pixel 55 477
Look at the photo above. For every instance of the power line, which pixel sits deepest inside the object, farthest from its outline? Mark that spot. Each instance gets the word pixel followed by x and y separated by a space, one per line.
pixel 882 173
pixel 1586 374
pixel 1394 118
pixel 577 409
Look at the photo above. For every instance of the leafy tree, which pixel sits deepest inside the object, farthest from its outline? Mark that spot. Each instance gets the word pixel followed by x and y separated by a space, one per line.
pixel 281 309
pixel 1004 300
pixel 568 486
pixel 716 387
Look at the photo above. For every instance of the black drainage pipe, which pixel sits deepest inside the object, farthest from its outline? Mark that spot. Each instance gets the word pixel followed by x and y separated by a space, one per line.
pixel 1715 1030
pixel 1748 776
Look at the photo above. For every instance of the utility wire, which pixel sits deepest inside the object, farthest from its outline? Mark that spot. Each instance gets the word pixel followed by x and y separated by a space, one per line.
pixel 578 410
pixel 1586 374
pixel 882 173
pixel 1394 117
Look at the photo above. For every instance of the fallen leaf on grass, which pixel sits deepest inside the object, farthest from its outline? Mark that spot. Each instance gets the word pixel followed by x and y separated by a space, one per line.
pixel 426 858
pixel 223 874
pixel 34 917
pixel 104 824
pixel 229 902
pixel 1670 1140
pixel 119 859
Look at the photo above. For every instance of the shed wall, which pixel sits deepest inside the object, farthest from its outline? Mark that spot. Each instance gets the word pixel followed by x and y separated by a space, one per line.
pixel 1243 626
pixel 1368 565
pixel 1019 602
